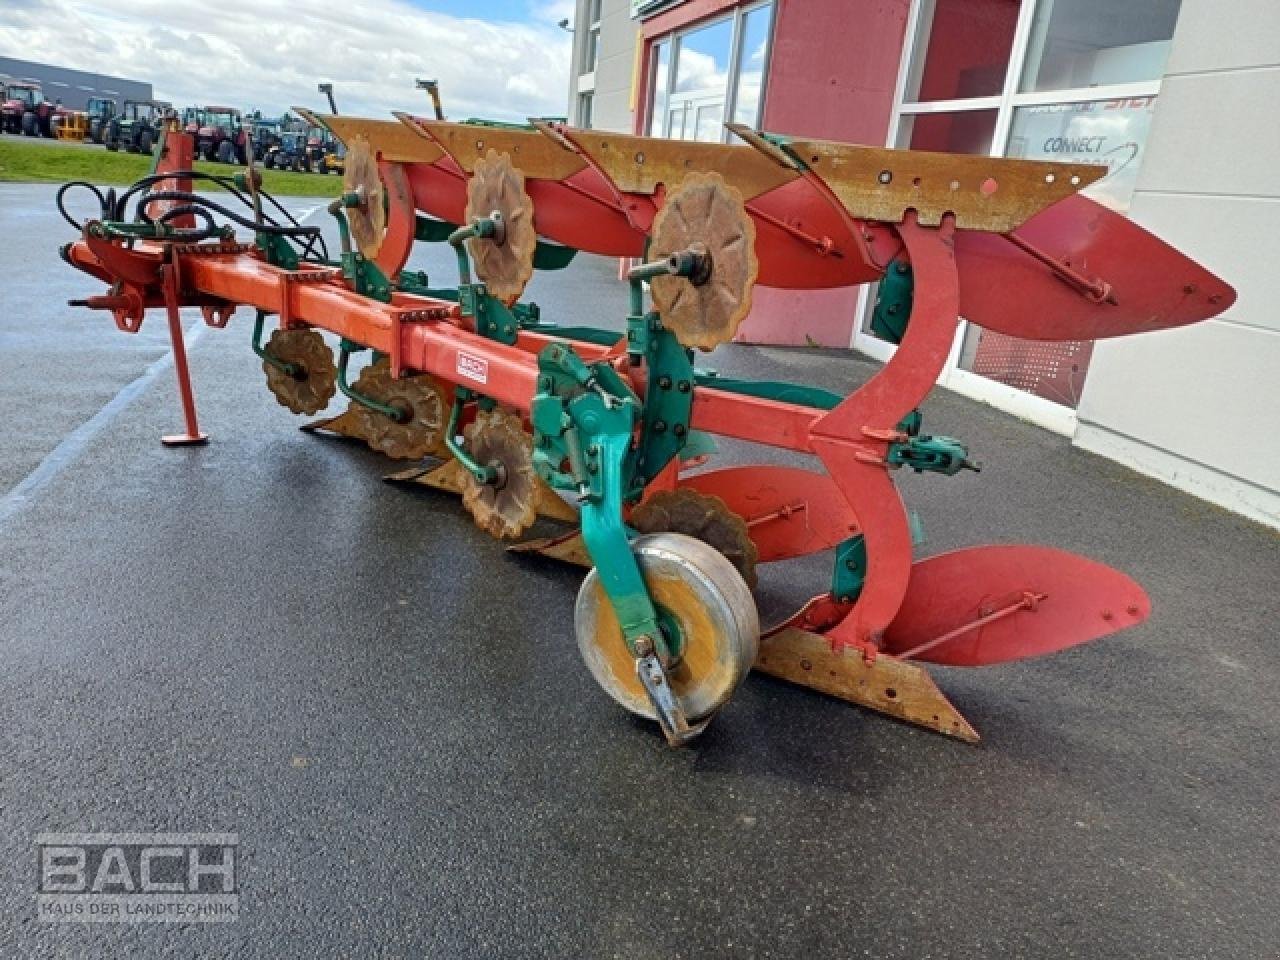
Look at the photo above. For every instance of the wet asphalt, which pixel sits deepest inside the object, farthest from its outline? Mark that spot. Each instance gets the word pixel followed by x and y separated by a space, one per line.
pixel 259 636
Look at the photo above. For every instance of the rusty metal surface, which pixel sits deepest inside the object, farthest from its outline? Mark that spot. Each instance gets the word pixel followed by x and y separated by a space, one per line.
pixel 983 193
pixel 567 548
pixel 640 164
pixel 702 594
pixel 448 477
pixel 311 392
pixel 368 220
pixel 390 139
pixel 705 517
pixel 507 508
pixel 504 263
pixel 888 685
pixel 535 154
pixel 705 211
pixel 423 399
pixel 344 425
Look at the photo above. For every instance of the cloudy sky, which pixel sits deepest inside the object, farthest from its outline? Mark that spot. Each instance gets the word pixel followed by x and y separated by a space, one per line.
pixel 499 59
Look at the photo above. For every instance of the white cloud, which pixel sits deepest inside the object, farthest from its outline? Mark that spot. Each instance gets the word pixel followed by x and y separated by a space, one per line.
pixel 269 54
pixel 552 11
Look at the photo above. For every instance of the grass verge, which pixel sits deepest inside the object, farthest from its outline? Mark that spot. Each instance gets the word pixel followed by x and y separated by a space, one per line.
pixel 48 163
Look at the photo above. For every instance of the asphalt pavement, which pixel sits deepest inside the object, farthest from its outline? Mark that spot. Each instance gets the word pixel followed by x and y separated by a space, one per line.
pixel 261 637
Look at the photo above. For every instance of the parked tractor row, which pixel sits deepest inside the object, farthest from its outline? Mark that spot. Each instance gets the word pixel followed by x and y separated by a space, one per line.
pixel 221 134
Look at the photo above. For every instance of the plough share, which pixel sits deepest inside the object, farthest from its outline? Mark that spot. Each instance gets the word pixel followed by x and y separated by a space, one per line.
pixel 610 432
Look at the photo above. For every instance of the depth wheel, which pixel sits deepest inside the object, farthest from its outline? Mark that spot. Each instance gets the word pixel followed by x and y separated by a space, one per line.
pixel 314 383
pixel 704 517
pixel 507 507
pixel 423 402
pixel 701 598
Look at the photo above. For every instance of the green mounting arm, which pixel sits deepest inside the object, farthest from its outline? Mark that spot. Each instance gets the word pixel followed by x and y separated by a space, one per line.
pixel 345 349
pixel 288 369
pixel 364 275
pixel 584 416
pixel 483 474
pixel 487 228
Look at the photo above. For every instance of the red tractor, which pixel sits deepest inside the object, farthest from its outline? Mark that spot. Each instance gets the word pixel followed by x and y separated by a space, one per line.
pixel 23 109
pixel 221 135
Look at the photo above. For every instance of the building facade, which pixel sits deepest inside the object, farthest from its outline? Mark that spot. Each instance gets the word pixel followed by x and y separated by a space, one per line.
pixel 1165 93
pixel 74 88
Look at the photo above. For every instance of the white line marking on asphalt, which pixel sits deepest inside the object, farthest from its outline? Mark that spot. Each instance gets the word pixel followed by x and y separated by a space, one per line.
pixel 75 443
pixel 305 215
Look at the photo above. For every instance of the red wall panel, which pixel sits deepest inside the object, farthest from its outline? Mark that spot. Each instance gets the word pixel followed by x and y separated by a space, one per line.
pixel 834 66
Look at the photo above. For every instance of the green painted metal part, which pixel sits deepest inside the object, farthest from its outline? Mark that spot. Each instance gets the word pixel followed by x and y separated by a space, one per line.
pixel 944 455
pixel 363 275
pixel 277 249
pixel 492 318
pixel 850 569
pixel 668 403
pixel 552 256
pixel 484 473
pixel 893 302
pixel 546 255
pixel 583 418
pixel 345 349
pixel 259 322
pixel 796 393
pixel 431 230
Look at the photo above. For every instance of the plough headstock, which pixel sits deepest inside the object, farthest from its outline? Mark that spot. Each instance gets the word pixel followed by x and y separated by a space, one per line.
pixel 609 431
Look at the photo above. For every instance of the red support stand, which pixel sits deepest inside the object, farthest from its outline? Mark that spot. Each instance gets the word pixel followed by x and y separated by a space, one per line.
pixel 192 435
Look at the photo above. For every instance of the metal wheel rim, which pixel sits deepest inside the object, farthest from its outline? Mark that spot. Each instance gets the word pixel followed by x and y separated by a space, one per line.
pixel 705 517
pixel 722 639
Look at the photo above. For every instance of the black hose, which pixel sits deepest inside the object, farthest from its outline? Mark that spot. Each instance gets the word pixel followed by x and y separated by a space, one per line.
pixel 103 204
pixel 309 240
pixel 306 237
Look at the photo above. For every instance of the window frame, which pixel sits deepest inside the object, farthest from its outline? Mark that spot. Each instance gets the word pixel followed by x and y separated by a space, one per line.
pixel 738 17
pixel 1046 413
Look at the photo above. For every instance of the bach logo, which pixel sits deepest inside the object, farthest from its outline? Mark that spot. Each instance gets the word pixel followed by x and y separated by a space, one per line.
pixel 137 877
pixel 473 368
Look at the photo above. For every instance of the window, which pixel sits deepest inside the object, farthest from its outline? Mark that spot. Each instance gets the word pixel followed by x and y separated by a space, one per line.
pixel 661 83
pixel 753 52
pixel 969 131
pixel 703 76
pixel 1067 80
pixel 966 46
pixel 584 111
pixel 592 53
pixel 1091 43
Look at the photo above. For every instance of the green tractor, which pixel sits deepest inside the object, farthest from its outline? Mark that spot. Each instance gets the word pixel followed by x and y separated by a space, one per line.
pixel 137 127
pixel 101 111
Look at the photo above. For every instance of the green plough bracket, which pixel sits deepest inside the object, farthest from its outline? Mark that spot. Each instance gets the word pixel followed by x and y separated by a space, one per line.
pixel 893 302
pixel 583 418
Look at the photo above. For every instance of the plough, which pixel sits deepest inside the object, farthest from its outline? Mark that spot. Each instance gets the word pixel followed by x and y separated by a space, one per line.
pixel 609 433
